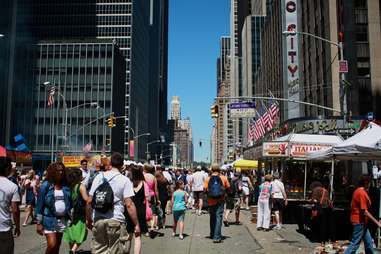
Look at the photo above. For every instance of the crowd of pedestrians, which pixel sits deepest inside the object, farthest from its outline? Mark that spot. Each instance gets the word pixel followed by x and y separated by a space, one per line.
pixel 119 201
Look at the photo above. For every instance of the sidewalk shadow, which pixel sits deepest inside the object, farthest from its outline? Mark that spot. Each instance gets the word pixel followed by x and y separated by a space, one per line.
pixel 222 238
pixel 83 252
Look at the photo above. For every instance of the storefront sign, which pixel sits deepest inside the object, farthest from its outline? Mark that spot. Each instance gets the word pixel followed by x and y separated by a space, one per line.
pixel 72 161
pixel 20 157
pixel 301 150
pixel 328 126
pixel 291 56
pixel 275 149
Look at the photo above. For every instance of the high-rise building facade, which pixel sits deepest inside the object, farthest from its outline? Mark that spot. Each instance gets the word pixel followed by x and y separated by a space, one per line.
pixel 16 70
pixel 89 79
pixel 175 108
pixel 140 30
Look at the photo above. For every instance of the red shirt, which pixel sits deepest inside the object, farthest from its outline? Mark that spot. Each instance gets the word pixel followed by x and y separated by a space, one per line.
pixel 360 203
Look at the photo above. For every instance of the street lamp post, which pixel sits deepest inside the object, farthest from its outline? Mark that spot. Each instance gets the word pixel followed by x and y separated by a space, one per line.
pixel 150 143
pixel 343 82
pixel 93 104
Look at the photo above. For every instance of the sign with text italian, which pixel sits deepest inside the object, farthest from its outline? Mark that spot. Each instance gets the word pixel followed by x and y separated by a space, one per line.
pixel 301 150
pixel 343 66
pixel 242 109
pixel 291 56
pixel 275 149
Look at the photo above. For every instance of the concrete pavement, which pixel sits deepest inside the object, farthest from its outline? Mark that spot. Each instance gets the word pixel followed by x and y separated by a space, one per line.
pixel 238 239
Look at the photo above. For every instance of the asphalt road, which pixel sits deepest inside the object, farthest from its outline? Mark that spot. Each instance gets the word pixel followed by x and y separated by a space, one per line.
pixel 238 239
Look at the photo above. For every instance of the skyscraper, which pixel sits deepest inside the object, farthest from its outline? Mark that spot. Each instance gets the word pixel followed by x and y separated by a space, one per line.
pixel 140 30
pixel 175 108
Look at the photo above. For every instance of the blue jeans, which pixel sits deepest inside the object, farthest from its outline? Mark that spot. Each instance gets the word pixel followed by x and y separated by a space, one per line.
pixel 360 232
pixel 216 212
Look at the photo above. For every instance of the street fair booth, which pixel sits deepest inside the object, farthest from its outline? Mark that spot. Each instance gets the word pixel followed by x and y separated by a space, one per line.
pixel 245 164
pixel 364 146
pixel 288 154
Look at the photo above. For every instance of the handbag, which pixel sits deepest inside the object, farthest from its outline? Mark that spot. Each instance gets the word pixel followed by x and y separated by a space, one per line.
pixel 149 213
pixel 316 208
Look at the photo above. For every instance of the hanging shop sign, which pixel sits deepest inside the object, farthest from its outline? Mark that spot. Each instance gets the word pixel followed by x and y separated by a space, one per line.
pixel 301 150
pixel 72 161
pixel 327 126
pixel 275 149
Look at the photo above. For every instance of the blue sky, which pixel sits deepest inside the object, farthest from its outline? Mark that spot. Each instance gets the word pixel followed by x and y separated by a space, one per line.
pixel 195 27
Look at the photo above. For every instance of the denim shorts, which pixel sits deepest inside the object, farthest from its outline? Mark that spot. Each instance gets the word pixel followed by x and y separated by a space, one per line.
pixel 179 215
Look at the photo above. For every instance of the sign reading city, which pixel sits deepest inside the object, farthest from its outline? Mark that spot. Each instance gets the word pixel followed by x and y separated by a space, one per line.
pixel 242 109
pixel 343 66
pixel 291 56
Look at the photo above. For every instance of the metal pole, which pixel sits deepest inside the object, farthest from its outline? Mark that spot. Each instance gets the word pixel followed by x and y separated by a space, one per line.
pixel 343 84
pixel 305 180
pixel 331 180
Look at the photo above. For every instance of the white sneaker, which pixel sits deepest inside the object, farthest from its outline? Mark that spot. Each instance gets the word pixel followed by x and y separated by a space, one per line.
pixel 181 237
pixel 173 234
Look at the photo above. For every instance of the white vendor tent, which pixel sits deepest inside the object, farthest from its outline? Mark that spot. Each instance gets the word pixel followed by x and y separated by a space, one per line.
pixel 365 145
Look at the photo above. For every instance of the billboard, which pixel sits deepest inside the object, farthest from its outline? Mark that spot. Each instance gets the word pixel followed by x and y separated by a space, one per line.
pixel 291 57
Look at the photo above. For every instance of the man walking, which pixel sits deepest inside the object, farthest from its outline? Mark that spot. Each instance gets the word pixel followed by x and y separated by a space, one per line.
pixel 85 173
pixel 197 184
pixel 360 215
pixel 216 187
pixel 9 198
pixel 110 233
pixel 279 197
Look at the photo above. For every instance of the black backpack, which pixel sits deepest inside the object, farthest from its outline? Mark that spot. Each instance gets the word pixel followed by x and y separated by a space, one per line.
pixel 215 187
pixel 103 198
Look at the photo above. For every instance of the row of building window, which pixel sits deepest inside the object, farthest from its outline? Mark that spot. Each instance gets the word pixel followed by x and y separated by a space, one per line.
pixel 114 9
pixel 114 20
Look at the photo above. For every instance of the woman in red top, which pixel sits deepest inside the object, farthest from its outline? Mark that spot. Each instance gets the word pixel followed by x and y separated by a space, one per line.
pixel 359 218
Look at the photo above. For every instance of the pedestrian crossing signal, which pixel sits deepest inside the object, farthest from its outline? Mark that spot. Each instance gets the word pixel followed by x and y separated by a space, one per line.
pixel 214 111
pixel 111 122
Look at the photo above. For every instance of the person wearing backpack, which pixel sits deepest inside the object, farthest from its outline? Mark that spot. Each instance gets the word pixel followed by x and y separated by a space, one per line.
pixel 76 233
pixel 110 193
pixel 216 186
pixel 233 199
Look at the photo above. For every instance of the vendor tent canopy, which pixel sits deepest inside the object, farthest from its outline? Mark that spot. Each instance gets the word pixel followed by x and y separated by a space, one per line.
pixel 245 164
pixel 364 146
pixel 310 139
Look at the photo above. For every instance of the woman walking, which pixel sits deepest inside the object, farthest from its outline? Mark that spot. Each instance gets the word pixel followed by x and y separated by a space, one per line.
pixel 53 207
pixel 247 186
pixel 30 185
pixel 263 220
pixel 76 233
pixel 179 200
pixel 164 189
pixel 140 199
pixel 150 179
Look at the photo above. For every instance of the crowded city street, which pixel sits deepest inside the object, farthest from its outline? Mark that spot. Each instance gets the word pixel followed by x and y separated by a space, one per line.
pixel 190 127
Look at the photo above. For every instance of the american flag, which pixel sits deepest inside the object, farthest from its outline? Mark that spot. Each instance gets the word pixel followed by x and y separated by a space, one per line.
pixel 268 120
pixel 259 129
pixel 51 93
pixel 274 110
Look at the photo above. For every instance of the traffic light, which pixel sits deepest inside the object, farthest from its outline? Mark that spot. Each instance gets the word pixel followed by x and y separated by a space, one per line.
pixel 214 111
pixel 111 122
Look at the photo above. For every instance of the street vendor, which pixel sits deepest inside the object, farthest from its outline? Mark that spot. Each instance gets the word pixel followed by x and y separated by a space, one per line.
pixel 360 216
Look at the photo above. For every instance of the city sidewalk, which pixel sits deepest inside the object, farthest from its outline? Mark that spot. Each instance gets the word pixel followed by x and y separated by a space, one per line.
pixel 238 239
pixel 285 240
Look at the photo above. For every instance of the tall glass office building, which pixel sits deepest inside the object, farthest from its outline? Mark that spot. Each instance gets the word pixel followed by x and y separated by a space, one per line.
pixel 140 30
pixel 89 78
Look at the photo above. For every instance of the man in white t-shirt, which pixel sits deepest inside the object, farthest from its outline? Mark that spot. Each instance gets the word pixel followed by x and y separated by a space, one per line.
pixel 9 198
pixel 110 233
pixel 85 172
pixel 198 180
pixel 279 199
